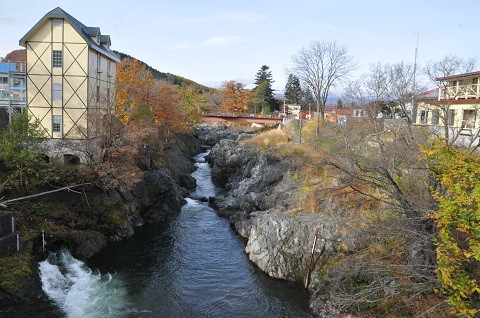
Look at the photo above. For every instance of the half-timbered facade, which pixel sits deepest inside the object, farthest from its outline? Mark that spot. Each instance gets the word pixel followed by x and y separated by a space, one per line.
pixel 70 75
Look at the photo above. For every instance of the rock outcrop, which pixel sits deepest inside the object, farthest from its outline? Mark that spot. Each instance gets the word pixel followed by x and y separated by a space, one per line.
pixel 261 198
pixel 210 135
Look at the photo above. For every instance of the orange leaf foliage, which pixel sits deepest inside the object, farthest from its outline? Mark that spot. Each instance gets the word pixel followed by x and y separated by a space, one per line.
pixel 236 98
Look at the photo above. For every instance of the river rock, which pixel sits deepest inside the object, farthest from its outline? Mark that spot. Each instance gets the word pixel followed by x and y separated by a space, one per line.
pixel 255 181
pixel 280 242
pixel 231 161
pixel 210 135
pixel 158 196
pixel 261 193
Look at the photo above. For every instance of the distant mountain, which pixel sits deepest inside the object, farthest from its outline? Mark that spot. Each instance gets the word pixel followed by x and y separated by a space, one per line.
pixel 171 78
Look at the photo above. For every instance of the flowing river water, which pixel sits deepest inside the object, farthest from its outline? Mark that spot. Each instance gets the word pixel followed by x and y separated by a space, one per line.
pixel 191 266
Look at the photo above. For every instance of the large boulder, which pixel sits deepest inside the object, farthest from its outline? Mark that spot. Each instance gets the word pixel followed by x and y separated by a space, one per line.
pixel 256 181
pixel 210 135
pixel 158 196
pixel 231 161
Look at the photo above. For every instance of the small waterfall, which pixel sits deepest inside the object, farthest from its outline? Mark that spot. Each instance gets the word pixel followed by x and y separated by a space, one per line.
pixel 205 187
pixel 79 291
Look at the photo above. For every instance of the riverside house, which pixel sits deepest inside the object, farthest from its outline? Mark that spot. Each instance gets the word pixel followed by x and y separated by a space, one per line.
pixel 456 102
pixel 70 75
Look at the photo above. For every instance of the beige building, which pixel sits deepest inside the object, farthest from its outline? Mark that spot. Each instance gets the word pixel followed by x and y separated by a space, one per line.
pixel 456 102
pixel 70 75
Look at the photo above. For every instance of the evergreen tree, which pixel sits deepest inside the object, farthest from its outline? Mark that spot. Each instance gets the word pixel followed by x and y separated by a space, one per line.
pixel 308 101
pixel 293 90
pixel 260 97
pixel 264 97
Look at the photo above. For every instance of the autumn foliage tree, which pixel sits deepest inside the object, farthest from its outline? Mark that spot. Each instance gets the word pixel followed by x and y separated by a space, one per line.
pixel 236 99
pixel 147 112
pixel 192 103
pixel 134 89
pixel 16 56
pixel 458 220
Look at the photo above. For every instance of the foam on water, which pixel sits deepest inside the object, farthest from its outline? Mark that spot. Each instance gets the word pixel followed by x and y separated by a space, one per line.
pixel 79 291
pixel 205 187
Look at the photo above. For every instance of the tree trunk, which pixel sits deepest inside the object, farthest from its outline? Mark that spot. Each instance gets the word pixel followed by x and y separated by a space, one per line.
pixel 3 204
pixel 317 130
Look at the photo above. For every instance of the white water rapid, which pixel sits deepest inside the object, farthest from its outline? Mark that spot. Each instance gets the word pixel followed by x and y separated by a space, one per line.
pixel 79 291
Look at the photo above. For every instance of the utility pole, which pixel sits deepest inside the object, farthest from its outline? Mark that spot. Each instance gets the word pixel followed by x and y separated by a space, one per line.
pixel 414 108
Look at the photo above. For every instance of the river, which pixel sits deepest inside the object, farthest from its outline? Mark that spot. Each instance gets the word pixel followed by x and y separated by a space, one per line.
pixel 191 266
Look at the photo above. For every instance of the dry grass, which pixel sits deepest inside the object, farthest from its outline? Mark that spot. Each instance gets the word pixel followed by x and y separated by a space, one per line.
pixel 271 138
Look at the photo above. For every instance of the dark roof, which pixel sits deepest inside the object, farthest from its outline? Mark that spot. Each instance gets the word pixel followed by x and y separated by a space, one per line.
pixel 91 31
pixel 457 76
pixel 105 39
pixel 85 32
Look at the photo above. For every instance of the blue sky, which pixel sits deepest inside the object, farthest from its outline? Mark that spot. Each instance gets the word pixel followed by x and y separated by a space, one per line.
pixel 214 41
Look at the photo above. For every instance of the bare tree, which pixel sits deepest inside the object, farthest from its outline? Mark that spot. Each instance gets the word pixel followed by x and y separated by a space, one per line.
pixel 383 165
pixel 400 90
pixel 320 66
pixel 370 91
pixel 440 72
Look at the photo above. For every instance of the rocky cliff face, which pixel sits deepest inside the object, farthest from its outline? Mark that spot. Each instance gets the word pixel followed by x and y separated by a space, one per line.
pixel 261 194
pixel 86 221
pixel 157 197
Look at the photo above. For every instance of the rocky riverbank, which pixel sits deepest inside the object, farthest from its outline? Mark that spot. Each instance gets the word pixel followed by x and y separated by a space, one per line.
pixel 88 219
pixel 262 191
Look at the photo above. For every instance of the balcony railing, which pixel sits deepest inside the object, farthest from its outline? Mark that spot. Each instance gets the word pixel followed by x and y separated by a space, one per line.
pixel 461 92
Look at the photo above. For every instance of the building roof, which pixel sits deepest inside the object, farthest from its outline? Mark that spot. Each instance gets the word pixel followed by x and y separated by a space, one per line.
pixel 330 108
pixel 431 94
pixel 344 111
pixel 4 67
pixel 105 39
pixel 446 78
pixel 85 32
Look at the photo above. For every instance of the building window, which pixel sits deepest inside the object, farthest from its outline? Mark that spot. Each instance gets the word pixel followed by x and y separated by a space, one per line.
pixel 57 91
pixel 57 123
pixel 4 80
pixel 424 117
pixel 451 117
pixel 435 116
pixel 469 118
pixel 57 58
pixel 108 95
pixel 98 93
pixel 99 64
pixel 109 68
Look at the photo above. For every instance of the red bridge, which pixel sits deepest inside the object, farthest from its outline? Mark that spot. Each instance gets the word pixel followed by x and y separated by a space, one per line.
pixel 242 118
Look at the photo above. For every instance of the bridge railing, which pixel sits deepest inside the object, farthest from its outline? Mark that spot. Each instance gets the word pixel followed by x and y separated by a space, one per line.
pixel 232 114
